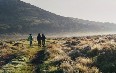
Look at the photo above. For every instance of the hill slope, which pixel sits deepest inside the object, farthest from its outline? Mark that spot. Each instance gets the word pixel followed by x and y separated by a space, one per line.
pixel 19 17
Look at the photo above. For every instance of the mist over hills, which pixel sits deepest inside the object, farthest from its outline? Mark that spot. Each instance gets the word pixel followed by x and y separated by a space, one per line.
pixel 20 17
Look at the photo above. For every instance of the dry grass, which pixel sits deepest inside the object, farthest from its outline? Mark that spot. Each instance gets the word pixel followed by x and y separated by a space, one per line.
pixel 19 53
pixel 86 69
pixel 73 55
pixel 93 54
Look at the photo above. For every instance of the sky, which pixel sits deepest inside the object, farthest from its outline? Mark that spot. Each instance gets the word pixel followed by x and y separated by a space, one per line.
pixel 93 10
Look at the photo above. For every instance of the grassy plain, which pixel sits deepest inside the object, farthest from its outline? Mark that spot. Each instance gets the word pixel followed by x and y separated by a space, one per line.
pixel 88 54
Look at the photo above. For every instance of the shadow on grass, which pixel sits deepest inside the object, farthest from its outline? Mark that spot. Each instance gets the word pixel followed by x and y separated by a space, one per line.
pixel 6 59
pixel 39 59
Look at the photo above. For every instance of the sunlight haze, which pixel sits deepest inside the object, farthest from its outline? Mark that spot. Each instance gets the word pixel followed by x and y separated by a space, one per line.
pixel 93 10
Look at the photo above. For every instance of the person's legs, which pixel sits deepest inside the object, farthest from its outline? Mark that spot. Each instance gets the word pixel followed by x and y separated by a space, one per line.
pixel 43 43
pixel 39 42
pixel 30 43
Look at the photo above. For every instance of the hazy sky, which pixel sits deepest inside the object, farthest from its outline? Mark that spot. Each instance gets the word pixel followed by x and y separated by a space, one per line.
pixel 94 10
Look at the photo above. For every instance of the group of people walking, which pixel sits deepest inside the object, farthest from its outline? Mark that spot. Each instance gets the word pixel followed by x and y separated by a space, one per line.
pixel 40 38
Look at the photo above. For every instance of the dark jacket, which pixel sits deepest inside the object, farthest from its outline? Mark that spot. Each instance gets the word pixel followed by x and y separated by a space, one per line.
pixel 43 37
pixel 39 37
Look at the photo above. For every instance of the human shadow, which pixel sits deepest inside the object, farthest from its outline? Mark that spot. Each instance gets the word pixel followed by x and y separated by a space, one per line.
pixel 39 59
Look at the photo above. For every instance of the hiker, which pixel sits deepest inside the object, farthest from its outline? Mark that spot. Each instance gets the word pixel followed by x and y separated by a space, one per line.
pixel 39 39
pixel 43 39
pixel 30 38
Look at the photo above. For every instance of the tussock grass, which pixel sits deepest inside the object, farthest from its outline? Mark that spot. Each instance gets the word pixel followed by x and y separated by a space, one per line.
pixel 87 54
pixel 93 54
pixel 15 56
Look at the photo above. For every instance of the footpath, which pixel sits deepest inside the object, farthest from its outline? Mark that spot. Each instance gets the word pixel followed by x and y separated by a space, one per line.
pixel 19 57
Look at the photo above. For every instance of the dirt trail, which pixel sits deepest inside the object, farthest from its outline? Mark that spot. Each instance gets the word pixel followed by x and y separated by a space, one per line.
pixel 21 63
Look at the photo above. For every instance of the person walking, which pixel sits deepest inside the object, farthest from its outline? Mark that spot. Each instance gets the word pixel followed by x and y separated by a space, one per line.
pixel 43 40
pixel 30 39
pixel 39 39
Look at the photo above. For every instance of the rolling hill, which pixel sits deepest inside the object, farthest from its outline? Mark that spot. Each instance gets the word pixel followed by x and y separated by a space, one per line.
pixel 20 17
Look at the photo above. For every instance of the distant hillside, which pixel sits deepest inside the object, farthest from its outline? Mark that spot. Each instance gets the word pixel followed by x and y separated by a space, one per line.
pixel 20 17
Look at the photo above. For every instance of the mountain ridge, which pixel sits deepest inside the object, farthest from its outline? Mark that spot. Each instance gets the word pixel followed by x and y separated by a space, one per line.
pixel 20 17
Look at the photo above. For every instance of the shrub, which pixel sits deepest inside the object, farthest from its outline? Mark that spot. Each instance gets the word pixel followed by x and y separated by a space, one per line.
pixel 106 62
pixel 93 52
